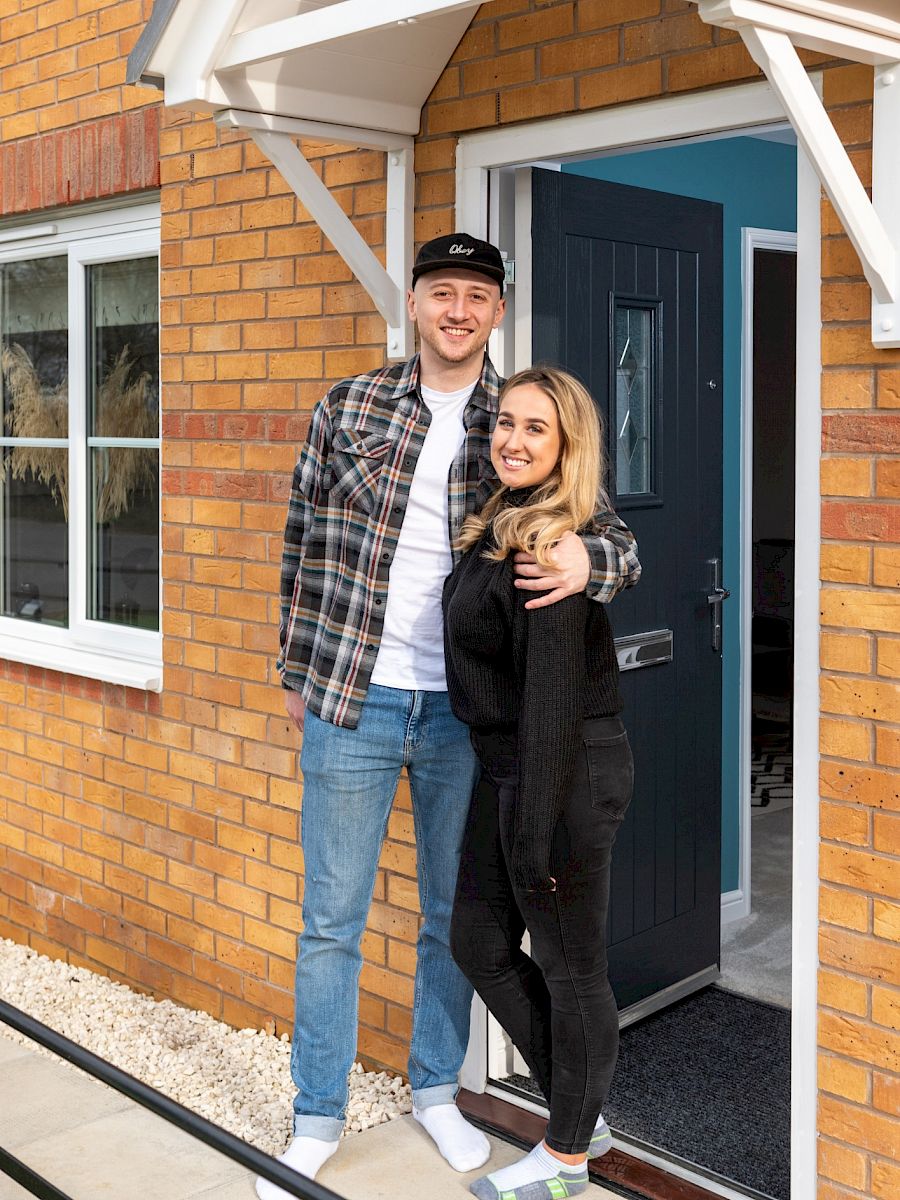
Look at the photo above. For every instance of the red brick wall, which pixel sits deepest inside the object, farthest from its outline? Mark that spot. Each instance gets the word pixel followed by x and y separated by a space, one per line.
pixel 108 157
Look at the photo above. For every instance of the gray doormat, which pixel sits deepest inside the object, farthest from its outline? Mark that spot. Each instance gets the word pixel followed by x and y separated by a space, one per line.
pixel 708 1079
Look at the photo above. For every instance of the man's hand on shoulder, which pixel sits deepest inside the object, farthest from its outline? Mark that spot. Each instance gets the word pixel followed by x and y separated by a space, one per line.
pixel 570 575
pixel 296 707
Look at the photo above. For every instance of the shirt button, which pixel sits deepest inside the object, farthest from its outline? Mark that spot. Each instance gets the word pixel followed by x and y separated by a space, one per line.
pixel 377 603
pixel 407 462
pixel 397 508
pixel 386 557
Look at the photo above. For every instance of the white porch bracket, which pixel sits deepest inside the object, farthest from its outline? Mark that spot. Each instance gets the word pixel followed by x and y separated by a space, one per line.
pixel 771 31
pixel 386 285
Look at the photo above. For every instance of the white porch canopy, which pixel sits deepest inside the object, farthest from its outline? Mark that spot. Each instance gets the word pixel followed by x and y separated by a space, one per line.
pixel 358 72
pixel 865 31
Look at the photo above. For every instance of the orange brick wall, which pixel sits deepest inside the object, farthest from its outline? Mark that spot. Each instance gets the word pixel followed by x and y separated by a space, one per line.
pixel 62 63
pixel 157 837
pixel 859 899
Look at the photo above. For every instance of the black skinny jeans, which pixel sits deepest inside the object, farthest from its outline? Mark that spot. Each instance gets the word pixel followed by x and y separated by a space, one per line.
pixel 556 1005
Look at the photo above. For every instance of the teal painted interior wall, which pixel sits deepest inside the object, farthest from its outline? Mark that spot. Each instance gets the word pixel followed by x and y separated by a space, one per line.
pixel 756 182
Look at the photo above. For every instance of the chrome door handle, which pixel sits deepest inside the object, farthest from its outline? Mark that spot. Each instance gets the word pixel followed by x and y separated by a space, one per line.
pixel 714 598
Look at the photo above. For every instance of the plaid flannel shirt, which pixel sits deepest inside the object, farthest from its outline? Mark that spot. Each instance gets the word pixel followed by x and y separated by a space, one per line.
pixel 348 499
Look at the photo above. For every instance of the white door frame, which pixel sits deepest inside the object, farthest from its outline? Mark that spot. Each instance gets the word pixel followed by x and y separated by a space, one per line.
pixel 722 112
pixel 738 903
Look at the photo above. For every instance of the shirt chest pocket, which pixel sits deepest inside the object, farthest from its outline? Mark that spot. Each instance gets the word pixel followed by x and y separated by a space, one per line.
pixel 357 460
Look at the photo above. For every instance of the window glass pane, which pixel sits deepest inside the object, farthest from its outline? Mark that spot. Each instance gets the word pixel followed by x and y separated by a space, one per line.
pixel 34 402
pixel 123 377
pixel 634 390
pixel 35 348
pixel 124 521
pixel 35 559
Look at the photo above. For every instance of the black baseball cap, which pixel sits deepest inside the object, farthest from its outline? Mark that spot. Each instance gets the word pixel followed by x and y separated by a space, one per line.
pixel 462 251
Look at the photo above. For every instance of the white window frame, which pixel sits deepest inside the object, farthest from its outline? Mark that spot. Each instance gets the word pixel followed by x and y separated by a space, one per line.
pixel 90 648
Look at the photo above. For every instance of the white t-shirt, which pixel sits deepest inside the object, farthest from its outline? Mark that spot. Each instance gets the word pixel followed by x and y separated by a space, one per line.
pixel 411 654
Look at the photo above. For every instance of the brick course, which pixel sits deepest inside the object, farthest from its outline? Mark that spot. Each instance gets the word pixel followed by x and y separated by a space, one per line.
pixel 156 837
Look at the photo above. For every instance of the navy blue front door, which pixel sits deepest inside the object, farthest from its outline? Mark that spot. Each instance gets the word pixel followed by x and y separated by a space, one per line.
pixel 627 287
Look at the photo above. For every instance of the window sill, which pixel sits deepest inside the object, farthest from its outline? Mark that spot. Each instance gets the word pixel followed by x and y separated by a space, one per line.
pixel 89 664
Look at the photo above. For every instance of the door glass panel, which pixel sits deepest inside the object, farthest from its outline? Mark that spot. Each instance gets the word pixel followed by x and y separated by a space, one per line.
pixel 634 392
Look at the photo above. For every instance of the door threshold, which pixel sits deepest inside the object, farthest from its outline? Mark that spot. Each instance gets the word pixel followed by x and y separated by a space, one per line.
pixel 631 1169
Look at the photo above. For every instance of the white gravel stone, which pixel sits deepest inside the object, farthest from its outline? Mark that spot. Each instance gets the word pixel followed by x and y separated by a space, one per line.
pixel 238 1078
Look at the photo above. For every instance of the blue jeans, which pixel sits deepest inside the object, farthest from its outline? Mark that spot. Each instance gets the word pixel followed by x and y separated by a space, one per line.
pixel 349 780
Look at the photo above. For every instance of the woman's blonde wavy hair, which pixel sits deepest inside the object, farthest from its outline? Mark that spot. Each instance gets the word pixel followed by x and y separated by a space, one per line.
pixel 567 499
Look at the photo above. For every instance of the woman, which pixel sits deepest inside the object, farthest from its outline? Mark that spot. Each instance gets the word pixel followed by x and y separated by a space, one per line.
pixel 539 689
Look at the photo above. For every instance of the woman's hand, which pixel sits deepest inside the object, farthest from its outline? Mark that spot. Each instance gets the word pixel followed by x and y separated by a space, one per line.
pixel 570 574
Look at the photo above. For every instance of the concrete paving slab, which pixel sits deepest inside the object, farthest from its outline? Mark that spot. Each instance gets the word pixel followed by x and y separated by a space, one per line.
pixel 41 1097
pixel 10 1050
pixel 130 1155
pixel 12 1191
pixel 239 1188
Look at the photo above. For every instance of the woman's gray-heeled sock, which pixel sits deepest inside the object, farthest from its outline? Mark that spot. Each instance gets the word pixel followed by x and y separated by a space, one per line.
pixel 537 1176
pixel 601 1139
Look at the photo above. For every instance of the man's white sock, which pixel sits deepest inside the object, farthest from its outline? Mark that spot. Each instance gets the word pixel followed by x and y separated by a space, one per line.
pixel 306 1156
pixel 463 1146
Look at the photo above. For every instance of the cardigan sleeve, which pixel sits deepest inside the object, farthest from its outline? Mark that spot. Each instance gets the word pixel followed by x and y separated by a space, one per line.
pixel 552 668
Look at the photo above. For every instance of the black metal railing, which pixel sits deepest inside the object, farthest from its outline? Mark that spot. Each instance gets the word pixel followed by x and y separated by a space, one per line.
pixel 170 1110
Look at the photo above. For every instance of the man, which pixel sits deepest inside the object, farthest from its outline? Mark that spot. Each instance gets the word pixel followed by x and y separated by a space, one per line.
pixel 393 462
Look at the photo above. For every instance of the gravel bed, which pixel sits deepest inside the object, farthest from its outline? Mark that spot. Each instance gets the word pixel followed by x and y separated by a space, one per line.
pixel 240 1079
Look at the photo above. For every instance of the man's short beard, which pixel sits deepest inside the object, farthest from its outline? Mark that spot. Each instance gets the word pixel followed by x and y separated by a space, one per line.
pixel 437 347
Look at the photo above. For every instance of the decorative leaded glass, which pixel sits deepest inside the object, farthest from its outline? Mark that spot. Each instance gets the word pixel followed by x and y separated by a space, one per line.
pixel 633 402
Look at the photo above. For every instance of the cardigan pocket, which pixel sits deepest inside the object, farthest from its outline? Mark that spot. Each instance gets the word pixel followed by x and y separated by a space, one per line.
pixel 355 468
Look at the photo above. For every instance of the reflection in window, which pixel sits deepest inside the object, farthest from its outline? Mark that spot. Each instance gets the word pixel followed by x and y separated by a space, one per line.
pixel 35 543
pixel 634 391
pixel 34 402
pixel 125 522
pixel 123 428
pixel 123 393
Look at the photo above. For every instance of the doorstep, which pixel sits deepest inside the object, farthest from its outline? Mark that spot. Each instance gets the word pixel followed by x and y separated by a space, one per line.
pixel 398 1161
